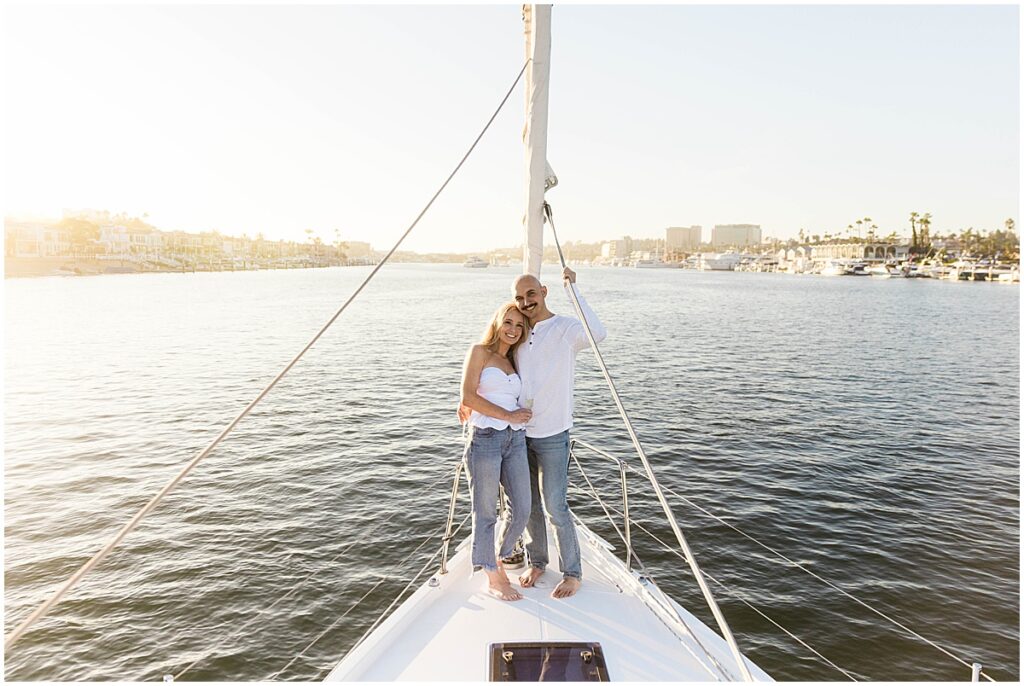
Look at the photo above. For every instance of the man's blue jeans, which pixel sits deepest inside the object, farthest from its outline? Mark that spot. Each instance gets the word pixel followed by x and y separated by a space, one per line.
pixel 493 457
pixel 549 482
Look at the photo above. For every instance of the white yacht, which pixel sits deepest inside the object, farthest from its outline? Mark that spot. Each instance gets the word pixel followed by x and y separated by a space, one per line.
pixel 474 262
pixel 720 262
pixel 833 268
pixel 1012 276
pixel 653 263
pixel 880 271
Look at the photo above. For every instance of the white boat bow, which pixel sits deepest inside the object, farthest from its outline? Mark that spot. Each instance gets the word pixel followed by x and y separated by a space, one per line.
pixel 451 629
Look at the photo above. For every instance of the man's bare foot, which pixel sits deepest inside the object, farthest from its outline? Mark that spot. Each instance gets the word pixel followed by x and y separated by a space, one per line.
pixel 566 588
pixel 530 578
pixel 499 587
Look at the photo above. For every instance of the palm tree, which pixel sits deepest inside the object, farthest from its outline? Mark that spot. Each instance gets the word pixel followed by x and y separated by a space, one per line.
pixel 913 229
pixel 860 225
pixel 925 222
pixel 967 240
pixel 340 246
pixel 1010 224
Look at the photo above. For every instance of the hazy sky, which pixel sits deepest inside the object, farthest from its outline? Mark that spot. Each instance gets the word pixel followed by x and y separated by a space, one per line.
pixel 277 119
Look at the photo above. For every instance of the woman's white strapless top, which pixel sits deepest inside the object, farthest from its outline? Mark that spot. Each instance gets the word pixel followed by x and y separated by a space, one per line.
pixel 501 389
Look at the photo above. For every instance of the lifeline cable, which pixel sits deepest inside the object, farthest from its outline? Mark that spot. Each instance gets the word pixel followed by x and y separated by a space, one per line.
pixel 360 539
pixel 827 582
pixel 335 623
pixel 17 632
pixel 670 611
pixel 732 592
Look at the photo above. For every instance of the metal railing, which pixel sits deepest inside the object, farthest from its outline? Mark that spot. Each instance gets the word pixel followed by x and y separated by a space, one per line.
pixel 451 517
pixel 624 534
pixel 670 614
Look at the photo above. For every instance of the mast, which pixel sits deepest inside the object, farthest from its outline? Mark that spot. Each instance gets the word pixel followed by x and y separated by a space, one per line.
pixel 539 177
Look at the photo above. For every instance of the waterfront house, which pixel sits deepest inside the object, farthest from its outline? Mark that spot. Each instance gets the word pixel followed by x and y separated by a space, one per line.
pixel 35 239
pixel 145 242
pixel 180 244
pixel 115 241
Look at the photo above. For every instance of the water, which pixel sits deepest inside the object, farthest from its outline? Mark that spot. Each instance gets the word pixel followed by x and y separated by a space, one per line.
pixel 866 429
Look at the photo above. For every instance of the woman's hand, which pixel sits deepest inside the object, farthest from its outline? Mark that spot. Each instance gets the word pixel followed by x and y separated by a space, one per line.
pixel 519 416
pixel 464 413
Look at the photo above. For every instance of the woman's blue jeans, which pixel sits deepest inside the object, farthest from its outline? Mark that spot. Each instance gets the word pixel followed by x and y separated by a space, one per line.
pixel 497 456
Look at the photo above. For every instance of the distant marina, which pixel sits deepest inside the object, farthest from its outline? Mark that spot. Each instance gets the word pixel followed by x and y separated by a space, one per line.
pixel 89 243
pixel 787 262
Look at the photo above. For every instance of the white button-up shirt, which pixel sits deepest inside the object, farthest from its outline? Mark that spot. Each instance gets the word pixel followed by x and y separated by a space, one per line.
pixel 547 366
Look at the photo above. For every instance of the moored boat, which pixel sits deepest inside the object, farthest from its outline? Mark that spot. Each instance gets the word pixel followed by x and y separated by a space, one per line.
pixel 719 262
pixel 833 268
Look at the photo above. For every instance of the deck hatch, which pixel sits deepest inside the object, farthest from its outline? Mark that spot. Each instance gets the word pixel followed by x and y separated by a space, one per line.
pixel 551 661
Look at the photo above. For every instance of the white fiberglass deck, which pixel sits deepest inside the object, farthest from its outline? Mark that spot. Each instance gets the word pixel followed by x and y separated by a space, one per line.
pixel 442 633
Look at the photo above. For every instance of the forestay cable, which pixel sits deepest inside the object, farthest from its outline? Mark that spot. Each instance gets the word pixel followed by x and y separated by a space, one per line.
pixel 18 631
pixel 691 560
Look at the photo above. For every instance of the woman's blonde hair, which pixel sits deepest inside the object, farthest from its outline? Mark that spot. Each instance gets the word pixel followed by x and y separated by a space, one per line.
pixel 493 331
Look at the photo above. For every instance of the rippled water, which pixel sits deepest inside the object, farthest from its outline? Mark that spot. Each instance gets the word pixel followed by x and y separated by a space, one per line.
pixel 866 429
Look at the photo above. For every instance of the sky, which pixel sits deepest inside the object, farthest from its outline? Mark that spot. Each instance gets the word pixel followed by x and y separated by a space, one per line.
pixel 346 119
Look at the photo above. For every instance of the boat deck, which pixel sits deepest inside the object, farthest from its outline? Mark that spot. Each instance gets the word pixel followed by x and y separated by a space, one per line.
pixel 443 632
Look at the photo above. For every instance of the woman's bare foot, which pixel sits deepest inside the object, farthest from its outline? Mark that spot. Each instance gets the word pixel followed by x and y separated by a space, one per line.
pixel 566 588
pixel 499 587
pixel 528 579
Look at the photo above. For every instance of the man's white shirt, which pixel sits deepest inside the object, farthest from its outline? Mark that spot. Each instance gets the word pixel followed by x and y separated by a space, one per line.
pixel 547 363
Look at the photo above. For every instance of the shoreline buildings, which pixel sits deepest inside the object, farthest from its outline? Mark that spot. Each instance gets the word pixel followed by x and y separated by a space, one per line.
pixel 735 236
pixel 681 240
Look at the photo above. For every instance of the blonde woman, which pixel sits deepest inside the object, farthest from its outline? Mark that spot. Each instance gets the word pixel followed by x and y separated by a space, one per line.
pixel 496 453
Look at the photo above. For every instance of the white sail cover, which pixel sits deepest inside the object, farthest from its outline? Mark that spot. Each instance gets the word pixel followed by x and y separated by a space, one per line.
pixel 537 19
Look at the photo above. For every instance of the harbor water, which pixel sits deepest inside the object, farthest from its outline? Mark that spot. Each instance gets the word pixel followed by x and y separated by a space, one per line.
pixel 867 429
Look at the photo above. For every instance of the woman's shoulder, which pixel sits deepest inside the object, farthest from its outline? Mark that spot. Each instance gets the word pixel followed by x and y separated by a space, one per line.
pixel 479 351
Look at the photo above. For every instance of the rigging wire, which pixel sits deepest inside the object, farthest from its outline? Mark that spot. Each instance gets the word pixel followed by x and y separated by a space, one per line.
pixel 680 538
pixel 688 557
pixel 823 580
pixel 54 598
pixel 734 593
pixel 365 534
pixel 711 658
pixel 778 554
pixel 384 578
pixel 593 490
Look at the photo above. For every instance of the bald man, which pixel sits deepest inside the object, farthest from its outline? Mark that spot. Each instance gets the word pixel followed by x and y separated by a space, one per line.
pixel 547 363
